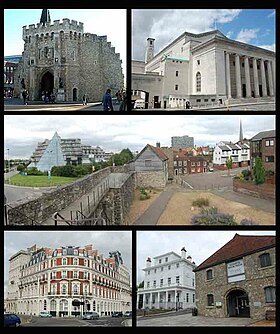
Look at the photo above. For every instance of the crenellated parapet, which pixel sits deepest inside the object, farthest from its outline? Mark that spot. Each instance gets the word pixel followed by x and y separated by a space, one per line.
pixel 56 27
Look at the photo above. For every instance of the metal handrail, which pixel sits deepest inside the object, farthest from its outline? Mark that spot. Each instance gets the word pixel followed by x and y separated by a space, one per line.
pixel 84 221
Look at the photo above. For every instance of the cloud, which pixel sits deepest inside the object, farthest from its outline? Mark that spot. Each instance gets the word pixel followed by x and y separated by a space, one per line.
pixel 229 34
pixel 270 47
pixel 272 14
pixel 165 25
pixel 246 35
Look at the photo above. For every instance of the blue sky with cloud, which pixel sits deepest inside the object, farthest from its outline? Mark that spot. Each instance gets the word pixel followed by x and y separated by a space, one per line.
pixel 252 26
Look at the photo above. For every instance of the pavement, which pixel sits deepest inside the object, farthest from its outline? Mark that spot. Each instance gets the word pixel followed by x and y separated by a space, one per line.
pixel 188 320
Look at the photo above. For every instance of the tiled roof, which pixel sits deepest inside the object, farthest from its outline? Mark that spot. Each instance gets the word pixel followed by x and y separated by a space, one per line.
pixel 264 134
pixel 233 146
pixel 239 246
pixel 158 152
pixel 224 148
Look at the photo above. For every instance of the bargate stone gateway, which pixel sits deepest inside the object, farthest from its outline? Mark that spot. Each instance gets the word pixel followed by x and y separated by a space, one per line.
pixel 60 58
pixel 239 279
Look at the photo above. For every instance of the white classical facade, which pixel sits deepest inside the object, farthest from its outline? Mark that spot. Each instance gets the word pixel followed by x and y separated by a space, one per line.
pixel 58 280
pixel 206 68
pixel 240 154
pixel 169 282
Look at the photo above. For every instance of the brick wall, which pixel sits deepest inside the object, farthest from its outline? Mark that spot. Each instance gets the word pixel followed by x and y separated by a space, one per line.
pixel 265 190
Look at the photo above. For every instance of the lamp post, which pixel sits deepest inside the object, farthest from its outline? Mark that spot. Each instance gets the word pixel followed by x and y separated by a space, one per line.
pixel 8 158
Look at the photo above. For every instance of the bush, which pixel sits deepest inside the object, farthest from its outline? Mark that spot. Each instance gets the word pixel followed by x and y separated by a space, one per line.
pixel 246 174
pixel 201 202
pixel 21 168
pixel 212 217
pixel 259 171
pixel 144 194
pixel 34 171
pixel 247 221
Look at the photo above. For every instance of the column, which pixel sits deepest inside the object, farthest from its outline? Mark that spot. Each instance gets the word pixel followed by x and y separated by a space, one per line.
pixel 166 299
pixel 256 78
pixel 158 299
pixel 274 75
pixel 247 77
pixel 150 300
pixel 270 78
pixel 228 76
pixel 238 77
pixel 264 90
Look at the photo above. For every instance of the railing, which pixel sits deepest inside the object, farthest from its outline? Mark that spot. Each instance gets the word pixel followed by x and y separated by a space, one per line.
pixel 19 222
pixel 58 218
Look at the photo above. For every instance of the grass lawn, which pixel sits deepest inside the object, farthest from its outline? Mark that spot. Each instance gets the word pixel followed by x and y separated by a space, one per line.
pixel 39 181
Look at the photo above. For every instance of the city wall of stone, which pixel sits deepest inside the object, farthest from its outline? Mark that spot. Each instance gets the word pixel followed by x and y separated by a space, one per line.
pixel 52 200
pixel 151 179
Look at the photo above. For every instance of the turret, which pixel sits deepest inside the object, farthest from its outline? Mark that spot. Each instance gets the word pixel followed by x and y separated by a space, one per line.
pixel 149 50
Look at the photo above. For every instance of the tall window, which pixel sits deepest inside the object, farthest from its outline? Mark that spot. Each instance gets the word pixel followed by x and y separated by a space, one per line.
pixel 187 297
pixel 64 289
pixel 75 262
pixel 176 87
pixel 64 262
pixel 265 260
pixel 210 300
pixel 75 289
pixel 270 294
pixel 177 73
pixel 169 280
pixel 198 82
pixel 209 274
pixel 161 282
pixel 177 279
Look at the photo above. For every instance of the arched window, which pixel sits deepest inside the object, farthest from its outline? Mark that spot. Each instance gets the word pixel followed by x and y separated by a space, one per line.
pixel 75 261
pixel 209 274
pixel 265 260
pixel 270 294
pixel 64 289
pixel 64 262
pixel 75 289
pixel 210 300
pixel 198 82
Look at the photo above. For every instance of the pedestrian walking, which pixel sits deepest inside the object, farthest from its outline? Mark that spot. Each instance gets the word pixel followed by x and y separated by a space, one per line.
pixel 85 99
pixel 107 101
pixel 24 96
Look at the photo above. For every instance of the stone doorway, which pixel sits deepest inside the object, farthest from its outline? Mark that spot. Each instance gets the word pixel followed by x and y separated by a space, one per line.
pixel 238 304
pixel 47 83
pixel 74 94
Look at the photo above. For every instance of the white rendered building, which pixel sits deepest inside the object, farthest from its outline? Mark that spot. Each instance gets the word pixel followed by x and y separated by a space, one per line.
pixel 58 280
pixel 169 282
pixel 206 69
pixel 240 154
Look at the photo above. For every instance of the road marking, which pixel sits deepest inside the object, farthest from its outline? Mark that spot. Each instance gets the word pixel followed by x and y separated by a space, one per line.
pixel 187 184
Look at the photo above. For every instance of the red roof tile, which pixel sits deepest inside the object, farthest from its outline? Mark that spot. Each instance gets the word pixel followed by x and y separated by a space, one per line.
pixel 239 246
pixel 158 152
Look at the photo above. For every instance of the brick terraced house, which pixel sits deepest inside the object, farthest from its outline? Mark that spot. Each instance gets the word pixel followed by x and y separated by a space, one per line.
pixel 58 280
pixel 238 280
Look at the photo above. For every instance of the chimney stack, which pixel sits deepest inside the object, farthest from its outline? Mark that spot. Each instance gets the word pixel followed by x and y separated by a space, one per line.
pixel 158 144
pixel 189 258
pixel 148 262
pixel 183 253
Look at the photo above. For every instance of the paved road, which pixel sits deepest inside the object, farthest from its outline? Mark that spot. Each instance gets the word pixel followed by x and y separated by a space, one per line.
pixel 191 321
pixel 75 322
pixel 14 193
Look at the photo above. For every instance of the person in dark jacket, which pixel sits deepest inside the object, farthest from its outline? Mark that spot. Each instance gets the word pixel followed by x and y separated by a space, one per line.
pixel 107 101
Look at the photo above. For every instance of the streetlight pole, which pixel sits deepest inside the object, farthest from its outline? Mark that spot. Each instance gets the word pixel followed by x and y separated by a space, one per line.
pixel 8 158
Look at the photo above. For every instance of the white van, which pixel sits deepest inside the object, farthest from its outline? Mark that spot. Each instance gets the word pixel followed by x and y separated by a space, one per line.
pixel 139 104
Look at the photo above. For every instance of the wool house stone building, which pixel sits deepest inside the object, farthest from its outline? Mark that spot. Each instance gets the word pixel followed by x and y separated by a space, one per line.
pixel 59 280
pixel 238 280
pixel 169 282
pixel 60 58
pixel 206 68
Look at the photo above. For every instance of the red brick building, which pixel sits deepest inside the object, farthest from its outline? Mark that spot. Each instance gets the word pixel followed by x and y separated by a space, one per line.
pixel 263 145
pixel 184 163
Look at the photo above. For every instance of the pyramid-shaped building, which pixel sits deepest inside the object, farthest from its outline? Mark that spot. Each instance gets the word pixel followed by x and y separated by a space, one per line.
pixel 53 155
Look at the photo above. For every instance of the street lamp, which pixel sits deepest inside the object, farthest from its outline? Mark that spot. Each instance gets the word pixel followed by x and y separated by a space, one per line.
pixel 8 164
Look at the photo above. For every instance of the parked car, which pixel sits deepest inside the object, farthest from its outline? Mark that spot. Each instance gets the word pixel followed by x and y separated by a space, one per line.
pixel 45 314
pixel 90 316
pixel 117 314
pixel 11 320
pixel 128 314
pixel 139 104
pixel 211 169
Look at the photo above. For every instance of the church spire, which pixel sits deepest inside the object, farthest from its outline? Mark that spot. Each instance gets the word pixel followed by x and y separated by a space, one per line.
pixel 240 132
pixel 45 16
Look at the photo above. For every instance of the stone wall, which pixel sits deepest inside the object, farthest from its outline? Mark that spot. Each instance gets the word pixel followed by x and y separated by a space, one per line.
pixel 266 190
pixel 256 279
pixel 116 204
pixel 154 179
pixel 25 211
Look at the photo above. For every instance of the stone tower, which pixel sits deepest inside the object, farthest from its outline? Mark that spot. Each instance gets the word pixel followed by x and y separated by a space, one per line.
pixel 60 58
pixel 149 50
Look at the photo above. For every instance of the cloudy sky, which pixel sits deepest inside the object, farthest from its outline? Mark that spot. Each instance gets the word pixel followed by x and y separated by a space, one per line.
pixel 256 27
pixel 23 132
pixel 110 22
pixel 199 244
pixel 103 241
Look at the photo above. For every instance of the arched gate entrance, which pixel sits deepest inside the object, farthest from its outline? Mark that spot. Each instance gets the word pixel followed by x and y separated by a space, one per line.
pixel 238 303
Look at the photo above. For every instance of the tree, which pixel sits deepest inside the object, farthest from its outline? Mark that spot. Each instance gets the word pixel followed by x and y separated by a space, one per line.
pixel 121 158
pixel 141 285
pixel 229 163
pixel 259 171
